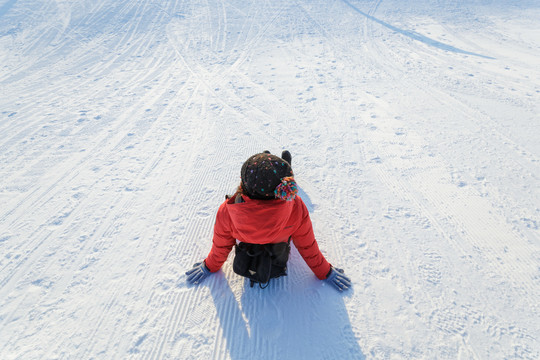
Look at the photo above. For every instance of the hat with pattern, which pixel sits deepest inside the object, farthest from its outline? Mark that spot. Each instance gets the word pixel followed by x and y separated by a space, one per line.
pixel 263 173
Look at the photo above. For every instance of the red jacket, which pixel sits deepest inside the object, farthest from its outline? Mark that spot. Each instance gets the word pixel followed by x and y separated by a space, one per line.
pixel 263 222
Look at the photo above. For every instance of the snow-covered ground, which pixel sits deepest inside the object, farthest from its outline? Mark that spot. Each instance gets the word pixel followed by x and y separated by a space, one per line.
pixel 414 128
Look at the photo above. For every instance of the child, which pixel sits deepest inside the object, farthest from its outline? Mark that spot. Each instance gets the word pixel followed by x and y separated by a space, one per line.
pixel 266 210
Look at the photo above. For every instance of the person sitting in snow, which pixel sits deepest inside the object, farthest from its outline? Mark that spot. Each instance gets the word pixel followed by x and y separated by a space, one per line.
pixel 266 210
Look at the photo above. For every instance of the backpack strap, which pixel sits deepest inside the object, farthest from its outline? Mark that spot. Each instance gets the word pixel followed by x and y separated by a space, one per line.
pixel 268 259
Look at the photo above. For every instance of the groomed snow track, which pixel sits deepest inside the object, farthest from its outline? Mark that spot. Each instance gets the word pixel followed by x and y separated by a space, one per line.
pixel 414 130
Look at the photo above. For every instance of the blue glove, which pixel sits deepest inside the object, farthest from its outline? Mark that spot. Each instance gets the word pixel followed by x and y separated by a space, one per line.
pixel 198 273
pixel 337 278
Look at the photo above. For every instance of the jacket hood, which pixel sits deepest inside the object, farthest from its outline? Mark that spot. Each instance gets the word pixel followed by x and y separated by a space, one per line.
pixel 260 220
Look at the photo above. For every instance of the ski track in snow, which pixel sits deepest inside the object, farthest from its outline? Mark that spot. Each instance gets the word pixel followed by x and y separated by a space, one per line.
pixel 414 133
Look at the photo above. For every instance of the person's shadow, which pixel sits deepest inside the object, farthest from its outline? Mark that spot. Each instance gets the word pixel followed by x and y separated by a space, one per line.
pixel 295 317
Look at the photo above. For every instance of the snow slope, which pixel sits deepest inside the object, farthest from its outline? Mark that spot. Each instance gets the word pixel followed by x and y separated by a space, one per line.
pixel 414 129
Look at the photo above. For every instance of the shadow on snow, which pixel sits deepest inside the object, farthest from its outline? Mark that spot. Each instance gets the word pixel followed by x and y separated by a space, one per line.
pixel 416 36
pixel 295 317
pixel 5 8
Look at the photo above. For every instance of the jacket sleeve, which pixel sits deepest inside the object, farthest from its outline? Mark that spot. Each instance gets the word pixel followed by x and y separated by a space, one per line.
pixel 304 240
pixel 222 242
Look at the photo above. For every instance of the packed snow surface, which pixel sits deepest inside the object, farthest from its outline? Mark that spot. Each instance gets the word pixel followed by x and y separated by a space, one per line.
pixel 414 128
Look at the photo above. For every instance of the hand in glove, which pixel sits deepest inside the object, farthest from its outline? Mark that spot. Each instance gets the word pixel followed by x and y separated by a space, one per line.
pixel 198 273
pixel 337 278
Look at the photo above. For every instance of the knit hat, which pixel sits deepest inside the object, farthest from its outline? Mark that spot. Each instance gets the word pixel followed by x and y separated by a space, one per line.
pixel 266 176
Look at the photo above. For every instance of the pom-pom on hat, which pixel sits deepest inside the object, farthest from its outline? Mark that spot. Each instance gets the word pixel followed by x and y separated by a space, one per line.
pixel 263 173
pixel 287 189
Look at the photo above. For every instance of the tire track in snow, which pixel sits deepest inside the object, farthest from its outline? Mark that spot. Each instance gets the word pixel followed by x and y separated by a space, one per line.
pixel 114 132
pixel 42 38
pixel 100 319
pixel 27 46
pixel 348 131
pixel 431 268
pixel 109 231
pixel 151 273
pixel 447 99
pixel 177 301
pixel 458 218
pixel 185 192
pixel 482 228
pixel 150 165
pixel 53 190
pixel 198 228
pixel 489 236
pixel 170 200
pixel 444 98
pixel 47 153
pixel 212 79
pixel 6 7
pixel 90 73
pixel 260 346
pixel 106 230
pixel 173 299
pixel 470 210
pixel 430 284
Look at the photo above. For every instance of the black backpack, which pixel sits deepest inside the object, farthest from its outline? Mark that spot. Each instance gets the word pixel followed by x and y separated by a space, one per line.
pixel 261 262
